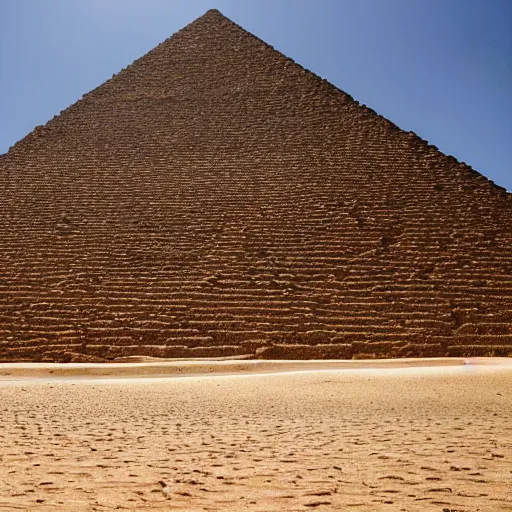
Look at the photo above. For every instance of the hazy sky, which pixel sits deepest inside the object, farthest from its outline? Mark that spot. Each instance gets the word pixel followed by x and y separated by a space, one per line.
pixel 442 68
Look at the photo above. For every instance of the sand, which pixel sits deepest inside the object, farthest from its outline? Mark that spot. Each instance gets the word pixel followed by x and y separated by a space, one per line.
pixel 432 437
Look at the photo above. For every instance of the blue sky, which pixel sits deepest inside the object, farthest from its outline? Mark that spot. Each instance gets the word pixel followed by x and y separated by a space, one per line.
pixel 442 68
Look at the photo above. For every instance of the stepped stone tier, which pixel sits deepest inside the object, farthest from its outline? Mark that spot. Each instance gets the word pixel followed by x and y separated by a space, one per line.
pixel 217 199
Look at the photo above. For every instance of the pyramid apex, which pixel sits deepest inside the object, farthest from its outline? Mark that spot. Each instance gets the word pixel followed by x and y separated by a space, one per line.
pixel 213 12
pixel 212 15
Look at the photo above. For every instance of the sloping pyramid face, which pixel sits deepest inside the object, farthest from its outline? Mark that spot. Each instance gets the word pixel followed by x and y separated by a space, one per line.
pixel 216 199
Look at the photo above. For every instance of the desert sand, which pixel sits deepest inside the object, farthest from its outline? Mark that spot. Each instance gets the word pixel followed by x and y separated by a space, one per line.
pixel 307 436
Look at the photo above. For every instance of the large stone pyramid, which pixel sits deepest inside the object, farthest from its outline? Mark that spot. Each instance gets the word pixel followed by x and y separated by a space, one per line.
pixel 216 199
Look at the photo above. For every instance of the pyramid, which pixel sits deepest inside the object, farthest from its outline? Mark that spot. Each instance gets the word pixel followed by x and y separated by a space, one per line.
pixel 215 199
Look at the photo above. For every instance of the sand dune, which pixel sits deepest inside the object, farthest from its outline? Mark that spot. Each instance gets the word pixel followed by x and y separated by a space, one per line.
pixel 433 438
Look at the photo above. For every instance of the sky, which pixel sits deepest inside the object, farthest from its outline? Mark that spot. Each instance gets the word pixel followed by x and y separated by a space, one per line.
pixel 441 68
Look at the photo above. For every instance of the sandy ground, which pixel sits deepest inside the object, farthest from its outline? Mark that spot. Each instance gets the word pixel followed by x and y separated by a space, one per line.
pixel 149 367
pixel 361 438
